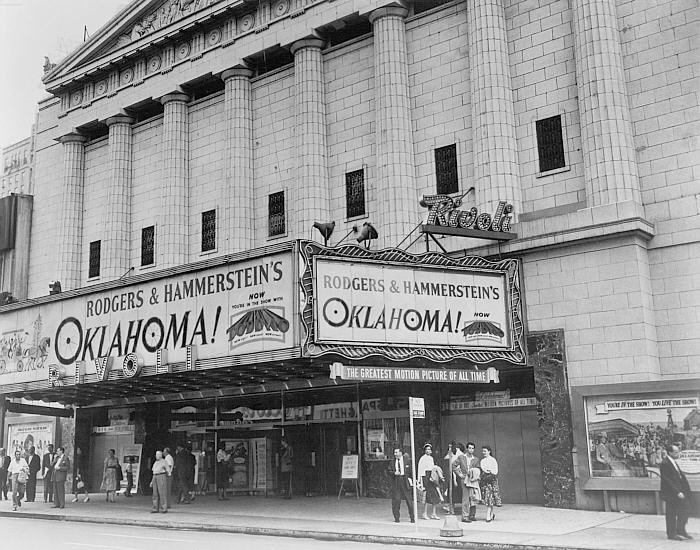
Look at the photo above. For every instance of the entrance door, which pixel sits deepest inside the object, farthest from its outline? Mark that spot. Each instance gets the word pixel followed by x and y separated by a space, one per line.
pixel 514 440
pixel 318 451
pixel 337 440
pixel 99 447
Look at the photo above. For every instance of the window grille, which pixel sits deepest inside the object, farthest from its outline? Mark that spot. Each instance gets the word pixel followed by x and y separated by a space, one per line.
pixel 446 169
pixel 208 230
pixel 147 245
pixel 355 193
pixel 94 265
pixel 550 143
pixel 276 221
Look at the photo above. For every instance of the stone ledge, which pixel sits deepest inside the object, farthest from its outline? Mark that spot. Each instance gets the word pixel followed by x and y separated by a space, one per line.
pixel 596 223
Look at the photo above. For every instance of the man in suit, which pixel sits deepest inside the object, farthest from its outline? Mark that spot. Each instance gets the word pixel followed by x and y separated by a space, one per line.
pixel 34 463
pixel 676 492
pixel 184 472
pixel 47 473
pixel 401 483
pixel 60 466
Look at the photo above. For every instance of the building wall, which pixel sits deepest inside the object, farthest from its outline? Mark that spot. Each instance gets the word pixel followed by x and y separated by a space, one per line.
pixel 627 313
pixel 145 191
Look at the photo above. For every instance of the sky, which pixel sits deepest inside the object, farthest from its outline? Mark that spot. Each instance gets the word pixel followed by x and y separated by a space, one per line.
pixel 30 30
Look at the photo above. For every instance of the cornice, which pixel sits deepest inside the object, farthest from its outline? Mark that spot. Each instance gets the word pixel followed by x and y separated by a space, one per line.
pixel 207 30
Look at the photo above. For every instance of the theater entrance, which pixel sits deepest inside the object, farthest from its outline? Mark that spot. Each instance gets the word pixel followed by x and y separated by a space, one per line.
pixel 318 451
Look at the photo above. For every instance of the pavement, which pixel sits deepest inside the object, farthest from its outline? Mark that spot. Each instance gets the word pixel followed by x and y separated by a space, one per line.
pixel 517 526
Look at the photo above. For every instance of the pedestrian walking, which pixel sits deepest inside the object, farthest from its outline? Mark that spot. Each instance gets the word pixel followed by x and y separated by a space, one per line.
pixel 47 473
pixel 4 465
pixel 490 490
pixel 159 484
pixel 110 481
pixel 675 491
pixel 34 463
pixel 185 464
pixel 19 473
pixel 432 495
pixel 80 487
pixel 61 466
pixel 400 474
pixel 466 467
pixel 286 467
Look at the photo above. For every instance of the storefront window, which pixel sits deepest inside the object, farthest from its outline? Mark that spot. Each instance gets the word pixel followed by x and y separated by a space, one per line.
pixel 627 435
pixel 383 435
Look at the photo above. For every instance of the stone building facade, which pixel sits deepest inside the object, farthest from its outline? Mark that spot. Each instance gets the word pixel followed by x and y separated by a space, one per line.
pixel 246 124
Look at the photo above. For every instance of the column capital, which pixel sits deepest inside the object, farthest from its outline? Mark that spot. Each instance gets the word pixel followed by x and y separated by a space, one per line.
pixel 239 71
pixel 387 11
pixel 309 42
pixel 119 119
pixel 72 137
pixel 175 95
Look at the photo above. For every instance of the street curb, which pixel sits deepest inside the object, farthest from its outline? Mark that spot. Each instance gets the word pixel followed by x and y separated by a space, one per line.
pixel 294 533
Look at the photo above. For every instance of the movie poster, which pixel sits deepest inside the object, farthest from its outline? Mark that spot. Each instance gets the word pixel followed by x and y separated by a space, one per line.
pixel 37 434
pixel 627 436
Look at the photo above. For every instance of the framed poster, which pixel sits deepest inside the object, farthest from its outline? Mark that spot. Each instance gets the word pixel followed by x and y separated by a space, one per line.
pixel 132 453
pixel 628 433
pixel 351 467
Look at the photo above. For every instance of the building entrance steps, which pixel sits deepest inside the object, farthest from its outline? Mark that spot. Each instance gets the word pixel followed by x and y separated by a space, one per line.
pixel 369 520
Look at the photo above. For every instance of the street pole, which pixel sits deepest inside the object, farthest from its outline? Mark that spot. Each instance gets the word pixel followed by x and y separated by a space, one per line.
pixel 413 472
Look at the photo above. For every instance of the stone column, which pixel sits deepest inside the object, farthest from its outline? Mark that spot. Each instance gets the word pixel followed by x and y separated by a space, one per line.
pixel 396 191
pixel 496 170
pixel 237 195
pixel 117 237
pixel 172 232
pixel 70 214
pixel 312 154
pixel 609 162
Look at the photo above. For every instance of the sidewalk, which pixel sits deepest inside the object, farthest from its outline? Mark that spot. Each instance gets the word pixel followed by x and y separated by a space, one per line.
pixel 369 520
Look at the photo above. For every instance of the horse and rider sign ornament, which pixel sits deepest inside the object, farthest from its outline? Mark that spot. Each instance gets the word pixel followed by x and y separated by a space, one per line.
pixel 390 304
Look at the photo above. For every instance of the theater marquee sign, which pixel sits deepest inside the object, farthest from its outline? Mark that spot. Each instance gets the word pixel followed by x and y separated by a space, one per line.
pixel 361 303
pixel 211 314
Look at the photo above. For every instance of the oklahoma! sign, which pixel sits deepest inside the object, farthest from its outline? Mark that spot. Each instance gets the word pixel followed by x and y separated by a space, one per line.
pixel 231 309
pixel 398 305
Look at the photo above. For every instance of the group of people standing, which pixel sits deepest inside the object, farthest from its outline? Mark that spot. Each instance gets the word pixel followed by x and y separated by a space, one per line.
pixel 19 474
pixel 477 477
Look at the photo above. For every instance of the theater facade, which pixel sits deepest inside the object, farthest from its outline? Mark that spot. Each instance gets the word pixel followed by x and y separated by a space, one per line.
pixel 509 225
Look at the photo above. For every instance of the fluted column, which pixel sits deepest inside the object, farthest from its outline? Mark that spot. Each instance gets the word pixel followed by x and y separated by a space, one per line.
pixel 70 213
pixel 311 145
pixel 236 229
pixel 172 234
pixel 116 243
pixel 609 162
pixel 496 169
pixel 396 191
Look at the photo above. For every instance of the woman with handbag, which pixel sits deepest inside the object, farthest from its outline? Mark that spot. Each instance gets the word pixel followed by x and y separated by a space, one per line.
pixel 489 482
pixel 19 474
pixel 110 478
pixel 426 464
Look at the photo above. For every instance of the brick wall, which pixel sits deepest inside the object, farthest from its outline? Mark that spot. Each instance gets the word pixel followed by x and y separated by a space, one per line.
pixel 207 166
pixel 599 293
pixel 146 183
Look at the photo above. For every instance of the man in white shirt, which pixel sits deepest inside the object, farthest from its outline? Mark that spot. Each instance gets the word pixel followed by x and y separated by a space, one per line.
pixel 170 464
pixel 400 473
pixel 18 468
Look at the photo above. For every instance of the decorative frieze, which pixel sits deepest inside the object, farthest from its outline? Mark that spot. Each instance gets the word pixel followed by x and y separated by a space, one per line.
pixel 192 48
